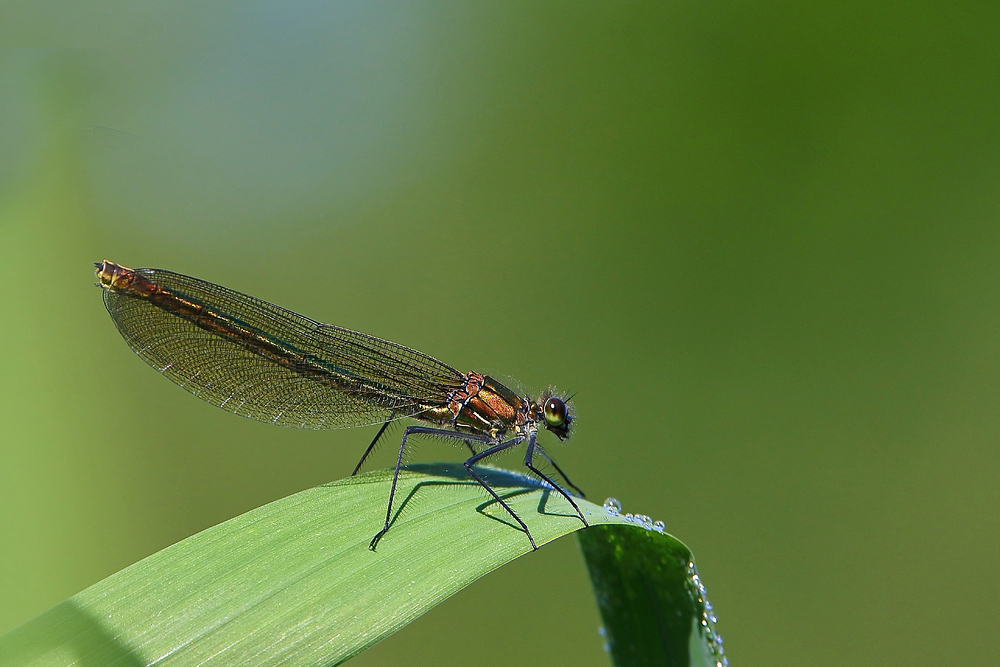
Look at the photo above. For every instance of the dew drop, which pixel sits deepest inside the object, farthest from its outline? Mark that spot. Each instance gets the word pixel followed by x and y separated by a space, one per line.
pixel 612 507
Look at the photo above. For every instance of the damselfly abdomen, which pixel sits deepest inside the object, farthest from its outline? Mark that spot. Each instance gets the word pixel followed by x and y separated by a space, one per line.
pixel 261 361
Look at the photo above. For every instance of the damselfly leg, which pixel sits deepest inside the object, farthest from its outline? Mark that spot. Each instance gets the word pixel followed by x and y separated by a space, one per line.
pixel 496 449
pixel 372 446
pixel 541 452
pixel 420 430
pixel 528 462
pixel 469 439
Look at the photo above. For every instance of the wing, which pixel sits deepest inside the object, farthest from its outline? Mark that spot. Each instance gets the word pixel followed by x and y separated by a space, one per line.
pixel 261 361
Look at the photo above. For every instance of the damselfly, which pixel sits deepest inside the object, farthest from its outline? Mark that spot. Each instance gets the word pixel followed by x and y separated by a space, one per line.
pixel 261 361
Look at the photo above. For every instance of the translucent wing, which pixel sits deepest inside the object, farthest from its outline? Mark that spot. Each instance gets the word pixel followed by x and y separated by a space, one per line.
pixel 261 361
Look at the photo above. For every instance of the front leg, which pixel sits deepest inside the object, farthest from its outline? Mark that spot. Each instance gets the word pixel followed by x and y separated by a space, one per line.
pixel 528 456
pixel 541 452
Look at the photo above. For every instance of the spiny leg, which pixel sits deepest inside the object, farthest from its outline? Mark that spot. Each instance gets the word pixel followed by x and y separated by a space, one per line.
pixel 541 452
pixel 372 446
pixel 528 462
pixel 490 451
pixel 414 430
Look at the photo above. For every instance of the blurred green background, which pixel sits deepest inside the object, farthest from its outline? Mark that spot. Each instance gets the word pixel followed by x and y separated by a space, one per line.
pixel 760 240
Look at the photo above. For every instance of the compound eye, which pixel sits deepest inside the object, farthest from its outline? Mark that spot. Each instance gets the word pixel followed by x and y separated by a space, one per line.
pixel 555 412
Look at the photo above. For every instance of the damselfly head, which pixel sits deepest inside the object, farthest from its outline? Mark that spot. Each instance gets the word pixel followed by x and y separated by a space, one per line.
pixel 556 416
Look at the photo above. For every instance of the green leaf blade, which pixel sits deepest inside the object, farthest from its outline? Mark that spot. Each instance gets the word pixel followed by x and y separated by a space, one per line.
pixel 294 582
pixel 651 599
